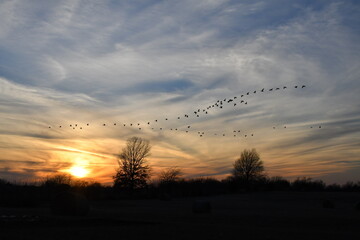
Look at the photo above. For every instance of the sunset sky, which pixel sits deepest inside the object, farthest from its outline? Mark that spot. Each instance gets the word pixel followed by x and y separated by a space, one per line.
pixel 103 62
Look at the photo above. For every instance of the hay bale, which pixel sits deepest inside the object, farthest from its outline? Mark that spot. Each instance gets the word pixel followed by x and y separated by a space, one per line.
pixel 201 206
pixel 357 206
pixel 70 204
pixel 328 204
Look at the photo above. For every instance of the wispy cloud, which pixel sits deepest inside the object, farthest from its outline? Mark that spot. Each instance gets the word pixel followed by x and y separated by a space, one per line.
pixel 73 62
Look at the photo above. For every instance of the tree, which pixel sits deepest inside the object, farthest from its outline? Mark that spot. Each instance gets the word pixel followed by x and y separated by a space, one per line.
pixel 171 174
pixel 248 167
pixel 133 171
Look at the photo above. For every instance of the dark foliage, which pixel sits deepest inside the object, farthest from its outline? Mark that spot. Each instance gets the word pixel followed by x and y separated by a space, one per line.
pixel 133 172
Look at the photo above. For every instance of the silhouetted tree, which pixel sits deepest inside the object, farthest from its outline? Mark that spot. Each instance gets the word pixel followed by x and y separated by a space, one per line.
pixel 133 171
pixel 171 174
pixel 248 167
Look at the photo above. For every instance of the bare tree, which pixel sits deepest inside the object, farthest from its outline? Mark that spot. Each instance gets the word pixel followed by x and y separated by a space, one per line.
pixel 248 167
pixel 133 171
pixel 171 174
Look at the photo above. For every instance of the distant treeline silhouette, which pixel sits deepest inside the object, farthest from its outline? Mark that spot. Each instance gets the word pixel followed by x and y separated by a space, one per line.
pixel 44 192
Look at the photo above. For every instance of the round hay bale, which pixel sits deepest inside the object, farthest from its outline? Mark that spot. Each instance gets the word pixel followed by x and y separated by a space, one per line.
pixel 328 204
pixel 70 204
pixel 201 206
pixel 165 197
pixel 357 206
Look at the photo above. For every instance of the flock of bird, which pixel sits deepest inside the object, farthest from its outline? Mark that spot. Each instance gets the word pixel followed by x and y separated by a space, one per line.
pixel 200 112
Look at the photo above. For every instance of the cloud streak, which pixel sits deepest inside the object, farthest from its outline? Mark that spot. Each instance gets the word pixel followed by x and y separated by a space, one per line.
pixel 70 62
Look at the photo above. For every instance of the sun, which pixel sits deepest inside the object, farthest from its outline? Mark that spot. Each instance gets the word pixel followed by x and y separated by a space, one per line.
pixel 78 171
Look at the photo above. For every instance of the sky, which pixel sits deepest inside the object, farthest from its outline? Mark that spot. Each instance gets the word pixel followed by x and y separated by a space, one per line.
pixel 90 63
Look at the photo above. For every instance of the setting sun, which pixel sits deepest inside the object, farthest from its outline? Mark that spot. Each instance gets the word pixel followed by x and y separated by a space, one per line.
pixel 78 171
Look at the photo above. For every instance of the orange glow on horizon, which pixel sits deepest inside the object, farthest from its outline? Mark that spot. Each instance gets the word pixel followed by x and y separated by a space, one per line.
pixel 78 171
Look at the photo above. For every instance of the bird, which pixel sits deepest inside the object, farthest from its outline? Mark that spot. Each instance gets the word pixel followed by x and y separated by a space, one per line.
pixel 75 125
pixel 197 115
pixel 139 128
pixel 223 135
pixel 262 90
pixel 245 102
pixel 148 123
pixel 296 86
pixel 188 126
pixel 254 91
pixel 270 89
pixel 178 117
pixel 242 95
pixel 80 127
pixel 104 124
pixel 245 135
pixel 138 124
pixel 234 104
pixel 220 106
pixel 235 97
pixel 70 125
pixel 303 86
pixel 155 120
pixel 284 87
pixel 247 93
pixel 252 135
pixel 206 112
pixel 277 88
pixel 166 119
pixel 319 126
pixel 114 124
pixel 238 130
pixel 130 124
pixel 160 128
pixel 49 127
pixel 124 125
pixel 242 101
pixel 87 124
pixel 59 126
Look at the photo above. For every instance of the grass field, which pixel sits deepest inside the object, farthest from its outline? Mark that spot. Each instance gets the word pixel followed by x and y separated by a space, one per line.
pixel 270 215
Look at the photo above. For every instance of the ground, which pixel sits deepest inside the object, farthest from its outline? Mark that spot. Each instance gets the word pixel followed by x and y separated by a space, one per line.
pixel 271 215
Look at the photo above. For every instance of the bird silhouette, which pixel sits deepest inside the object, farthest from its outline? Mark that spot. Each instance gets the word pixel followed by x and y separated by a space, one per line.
pixel 270 89
pixel 284 87
pixel 148 123
pixel 114 124
pixel 296 86
pixel 277 88
pixel 254 91
pixel 87 124
pixel 303 86
pixel 103 124
pixel 247 93
pixel 262 90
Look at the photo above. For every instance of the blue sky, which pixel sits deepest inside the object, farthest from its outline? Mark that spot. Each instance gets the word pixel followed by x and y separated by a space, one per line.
pixel 78 62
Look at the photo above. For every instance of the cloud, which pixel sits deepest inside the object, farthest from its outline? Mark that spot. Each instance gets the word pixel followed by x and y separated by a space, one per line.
pixel 70 62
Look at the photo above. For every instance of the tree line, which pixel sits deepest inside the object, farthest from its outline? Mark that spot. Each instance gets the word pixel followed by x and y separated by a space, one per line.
pixel 131 180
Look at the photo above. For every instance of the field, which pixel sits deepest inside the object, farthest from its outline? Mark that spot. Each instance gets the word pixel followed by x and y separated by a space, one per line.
pixel 270 215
